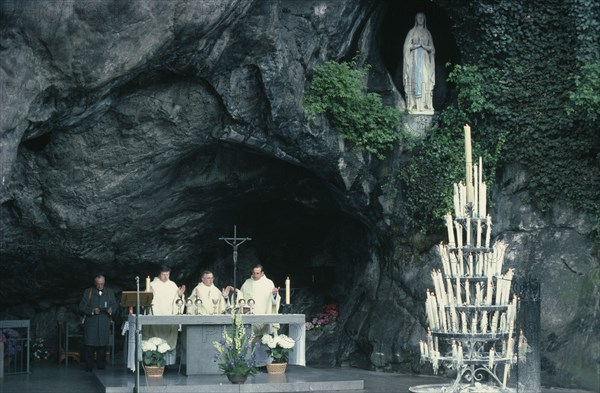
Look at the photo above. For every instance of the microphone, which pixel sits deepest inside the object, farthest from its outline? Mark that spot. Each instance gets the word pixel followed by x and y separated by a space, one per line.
pixel 137 279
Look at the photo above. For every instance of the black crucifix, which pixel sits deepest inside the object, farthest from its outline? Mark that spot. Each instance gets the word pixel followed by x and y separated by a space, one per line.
pixel 234 242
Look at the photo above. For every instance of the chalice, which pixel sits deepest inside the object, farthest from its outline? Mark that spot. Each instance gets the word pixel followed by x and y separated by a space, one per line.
pixel 179 304
pixel 188 306
pixel 241 304
pixel 251 303
pixel 198 304
pixel 215 302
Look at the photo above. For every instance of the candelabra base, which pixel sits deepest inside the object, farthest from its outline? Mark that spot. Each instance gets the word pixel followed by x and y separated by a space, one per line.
pixel 477 387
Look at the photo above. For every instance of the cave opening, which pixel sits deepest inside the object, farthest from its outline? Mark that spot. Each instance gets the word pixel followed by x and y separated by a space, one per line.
pixel 295 221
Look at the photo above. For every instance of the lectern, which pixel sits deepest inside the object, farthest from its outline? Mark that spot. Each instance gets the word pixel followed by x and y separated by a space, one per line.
pixel 128 299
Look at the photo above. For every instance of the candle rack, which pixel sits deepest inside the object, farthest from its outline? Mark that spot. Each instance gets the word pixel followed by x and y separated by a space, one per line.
pixel 470 313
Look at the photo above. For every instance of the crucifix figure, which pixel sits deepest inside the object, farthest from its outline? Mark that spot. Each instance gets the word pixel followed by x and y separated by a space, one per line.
pixel 235 242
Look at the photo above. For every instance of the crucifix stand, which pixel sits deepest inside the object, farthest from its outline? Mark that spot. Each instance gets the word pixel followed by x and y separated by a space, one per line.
pixel 235 242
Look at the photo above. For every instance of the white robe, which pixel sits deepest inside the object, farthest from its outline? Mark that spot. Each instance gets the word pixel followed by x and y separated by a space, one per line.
pixel 261 291
pixel 207 295
pixel 163 303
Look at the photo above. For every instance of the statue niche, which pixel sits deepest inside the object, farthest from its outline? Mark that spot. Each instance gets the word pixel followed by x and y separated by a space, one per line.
pixel 419 68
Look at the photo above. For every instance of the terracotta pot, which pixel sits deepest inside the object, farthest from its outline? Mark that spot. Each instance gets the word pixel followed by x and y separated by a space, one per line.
pixel 154 371
pixel 237 379
pixel 276 368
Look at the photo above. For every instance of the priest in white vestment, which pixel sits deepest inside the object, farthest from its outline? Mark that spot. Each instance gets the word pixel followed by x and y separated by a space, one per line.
pixel 265 294
pixel 212 298
pixel 166 294
pixel 266 301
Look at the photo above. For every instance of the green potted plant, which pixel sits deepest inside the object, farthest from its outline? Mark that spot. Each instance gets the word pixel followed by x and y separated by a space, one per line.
pixel 235 351
pixel 154 350
pixel 278 347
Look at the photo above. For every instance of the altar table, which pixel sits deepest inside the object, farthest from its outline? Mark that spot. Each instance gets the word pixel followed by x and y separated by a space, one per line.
pixel 198 332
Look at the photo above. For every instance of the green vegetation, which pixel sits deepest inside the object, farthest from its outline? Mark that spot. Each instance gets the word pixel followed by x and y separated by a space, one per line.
pixel 338 90
pixel 529 87
pixel 439 158
pixel 585 97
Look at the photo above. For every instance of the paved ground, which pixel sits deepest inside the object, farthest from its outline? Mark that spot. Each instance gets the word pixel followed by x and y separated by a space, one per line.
pixel 47 377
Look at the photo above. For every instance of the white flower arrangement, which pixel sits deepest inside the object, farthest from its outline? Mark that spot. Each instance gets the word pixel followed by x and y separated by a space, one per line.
pixel 39 349
pixel 154 350
pixel 278 346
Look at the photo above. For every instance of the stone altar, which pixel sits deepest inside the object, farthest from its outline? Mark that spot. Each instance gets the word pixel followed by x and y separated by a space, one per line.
pixel 199 331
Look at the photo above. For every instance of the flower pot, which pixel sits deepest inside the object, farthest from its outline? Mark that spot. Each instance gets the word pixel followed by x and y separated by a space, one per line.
pixel 237 379
pixel 276 368
pixel 154 371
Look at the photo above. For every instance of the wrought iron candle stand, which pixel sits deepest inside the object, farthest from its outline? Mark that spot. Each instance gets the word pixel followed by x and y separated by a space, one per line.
pixel 470 311
pixel 470 314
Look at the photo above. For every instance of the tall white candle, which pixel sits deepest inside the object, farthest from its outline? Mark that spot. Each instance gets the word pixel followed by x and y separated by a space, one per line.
pixel 434 306
pixel 456 198
pixel 482 211
pixel 488 230
pixel 428 309
pixel 453 263
pixel 449 226
pixel 480 169
pixel 467 292
pixel 494 327
pixel 488 292
pixel 444 320
pixel 479 229
pixel 462 192
pixel 450 291
pixel 445 260
pixel 482 200
pixel 469 231
pixel 484 322
pixel 287 290
pixel 148 284
pixel 443 293
pixel 505 378
pixel 509 276
pixel 468 163
pixel 470 258
pixel 475 192
pixel 436 283
pixel 499 289
pixel 509 348
pixel 454 318
pixel 429 340
pixel 491 359
pixel 458 297
pixel 459 235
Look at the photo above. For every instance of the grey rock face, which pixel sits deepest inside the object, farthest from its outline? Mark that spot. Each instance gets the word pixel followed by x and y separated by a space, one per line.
pixel 135 134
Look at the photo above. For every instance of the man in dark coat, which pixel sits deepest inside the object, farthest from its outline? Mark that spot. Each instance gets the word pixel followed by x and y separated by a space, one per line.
pixel 97 305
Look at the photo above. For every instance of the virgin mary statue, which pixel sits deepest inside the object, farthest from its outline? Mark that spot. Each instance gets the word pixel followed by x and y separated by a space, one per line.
pixel 419 67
